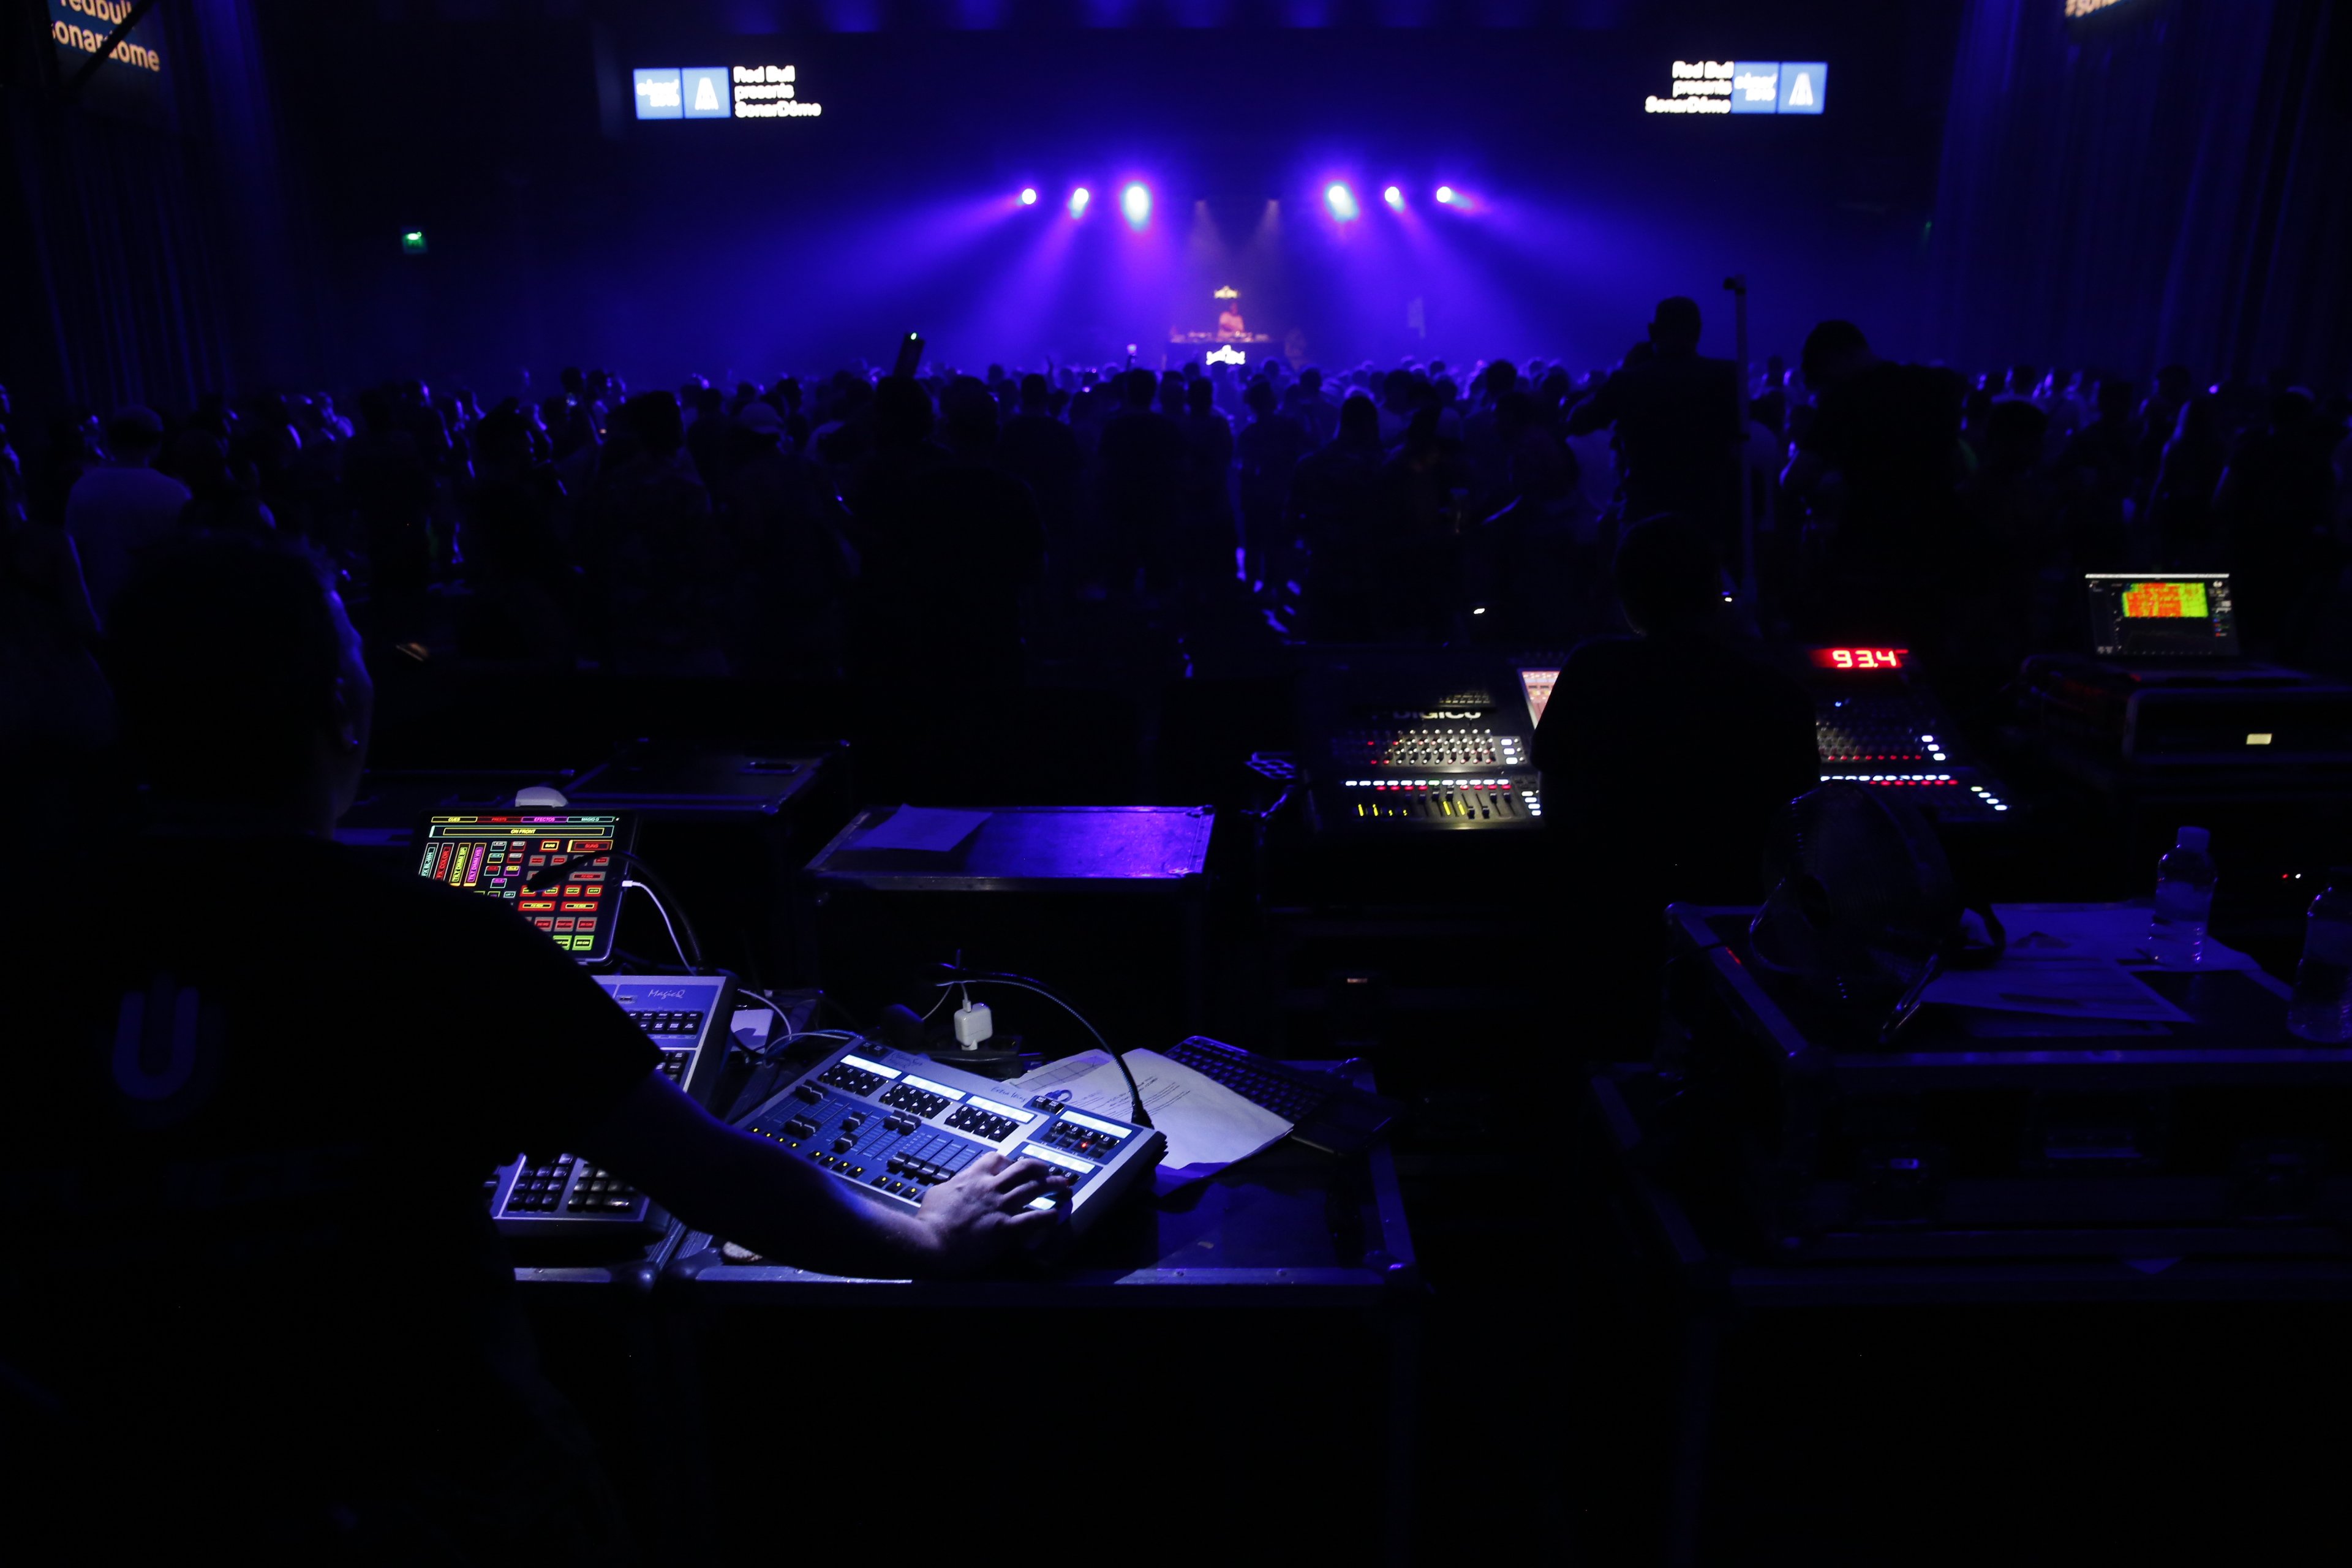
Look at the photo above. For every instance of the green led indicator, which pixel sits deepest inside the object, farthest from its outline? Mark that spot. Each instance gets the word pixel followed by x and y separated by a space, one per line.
pixel 411 242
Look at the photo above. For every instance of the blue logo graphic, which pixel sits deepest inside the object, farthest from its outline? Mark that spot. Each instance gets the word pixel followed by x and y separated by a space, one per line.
pixel 656 93
pixel 1803 85
pixel 705 92
pixel 1755 87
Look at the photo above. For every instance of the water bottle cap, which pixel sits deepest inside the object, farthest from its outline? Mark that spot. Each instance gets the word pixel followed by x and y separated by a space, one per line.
pixel 2193 838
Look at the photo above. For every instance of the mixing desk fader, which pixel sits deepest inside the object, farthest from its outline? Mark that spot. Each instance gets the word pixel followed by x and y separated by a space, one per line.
pixel 894 1126
pixel 562 1195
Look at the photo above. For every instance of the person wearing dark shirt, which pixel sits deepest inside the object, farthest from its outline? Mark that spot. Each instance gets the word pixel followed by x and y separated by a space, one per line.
pixel 2097 467
pixel 789 565
pixel 1143 462
pixel 516 559
pixel 1664 758
pixel 1043 454
pixel 1878 468
pixel 970 550
pixel 1206 551
pixel 654 547
pixel 259 1311
pixel 1335 497
pixel 2275 501
pixel 1679 423
pixel 1268 448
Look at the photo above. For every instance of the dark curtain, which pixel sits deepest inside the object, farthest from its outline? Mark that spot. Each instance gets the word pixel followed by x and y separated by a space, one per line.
pixel 146 259
pixel 2170 181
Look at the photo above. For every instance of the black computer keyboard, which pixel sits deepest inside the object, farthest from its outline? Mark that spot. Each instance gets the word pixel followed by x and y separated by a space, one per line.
pixel 1326 1111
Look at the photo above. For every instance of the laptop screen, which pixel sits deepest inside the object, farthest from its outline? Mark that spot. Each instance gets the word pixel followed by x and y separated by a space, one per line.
pixel 2161 615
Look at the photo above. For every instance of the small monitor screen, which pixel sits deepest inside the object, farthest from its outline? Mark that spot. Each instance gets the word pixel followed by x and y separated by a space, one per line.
pixel 1862 657
pixel 556 872
pixel 1538 685
pixel 2136 616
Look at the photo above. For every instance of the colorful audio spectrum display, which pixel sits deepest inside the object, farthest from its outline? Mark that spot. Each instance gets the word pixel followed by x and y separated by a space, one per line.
pixel 2173 614
pixel 498 856
pixel 2164 601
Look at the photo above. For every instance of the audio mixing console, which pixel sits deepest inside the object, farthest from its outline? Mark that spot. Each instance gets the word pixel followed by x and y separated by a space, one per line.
pixel 1876 726
pixel 562 1195
pixel 1458 760
pixel 894 1126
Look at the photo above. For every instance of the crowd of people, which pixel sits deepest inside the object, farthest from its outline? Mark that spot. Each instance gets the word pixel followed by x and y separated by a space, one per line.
pixel 220 1295
pixel 863 526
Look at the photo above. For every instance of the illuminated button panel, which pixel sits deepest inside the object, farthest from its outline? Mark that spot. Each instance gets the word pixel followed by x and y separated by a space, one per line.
pixel 1963 794
pixel 1430 748
pixel 1441 801
pixel 1075 1132
pixel 1850 733
pixel 890 1132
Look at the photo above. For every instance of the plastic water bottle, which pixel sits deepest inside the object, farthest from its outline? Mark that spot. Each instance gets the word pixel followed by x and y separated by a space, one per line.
pixel 2184 903
pixel 2321 1007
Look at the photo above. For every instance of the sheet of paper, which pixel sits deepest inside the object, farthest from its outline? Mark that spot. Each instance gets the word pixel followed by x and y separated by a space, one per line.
pixel 751 1026
pixel 2065 987
pixel 1207 1125
pixel 2117 931
pixel 922 827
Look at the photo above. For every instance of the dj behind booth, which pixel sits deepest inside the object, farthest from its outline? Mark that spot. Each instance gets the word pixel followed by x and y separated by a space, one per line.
pixel 252 1136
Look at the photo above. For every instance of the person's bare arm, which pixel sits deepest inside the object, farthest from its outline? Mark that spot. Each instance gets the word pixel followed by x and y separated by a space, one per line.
pixel 740 1187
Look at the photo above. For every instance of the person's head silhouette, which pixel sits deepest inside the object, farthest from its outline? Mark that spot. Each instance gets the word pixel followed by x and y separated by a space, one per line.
pixel 653 419
pixel 1834 352
pixel 240 684
pixel 902 411
pixel 968 416
pixel 1359 421
pixel 1668 577
pixel 1675 326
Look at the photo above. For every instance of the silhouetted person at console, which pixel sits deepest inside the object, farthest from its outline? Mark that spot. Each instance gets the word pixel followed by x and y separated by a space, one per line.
pixel 270 1320
pixel 1679 418
pixel 1663 757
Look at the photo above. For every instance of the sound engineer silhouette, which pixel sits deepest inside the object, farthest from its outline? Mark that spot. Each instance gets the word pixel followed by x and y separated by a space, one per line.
pixel 1663 757
pixel 263 1309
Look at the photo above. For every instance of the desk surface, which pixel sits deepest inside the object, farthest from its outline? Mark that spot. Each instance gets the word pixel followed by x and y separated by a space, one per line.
pixel 1098 846
pixel 676 782
pixel 2150 1265
pixel 2237 1032
pixel 1290 1227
